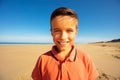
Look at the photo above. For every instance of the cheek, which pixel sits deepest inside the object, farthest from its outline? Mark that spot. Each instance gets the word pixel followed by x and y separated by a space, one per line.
pixel 72 37
pixel 69 36
pixel 55 36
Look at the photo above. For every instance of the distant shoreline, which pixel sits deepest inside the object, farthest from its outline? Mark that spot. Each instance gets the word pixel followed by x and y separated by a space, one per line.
pixel 10 43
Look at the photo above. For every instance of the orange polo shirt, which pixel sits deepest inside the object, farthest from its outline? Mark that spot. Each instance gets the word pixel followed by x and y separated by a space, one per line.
pixel 78 66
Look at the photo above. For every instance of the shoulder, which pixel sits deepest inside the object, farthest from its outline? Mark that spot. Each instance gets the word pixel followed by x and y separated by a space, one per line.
pixel 45 56
pixel 84 58
pixel 88 63
pixel 82 55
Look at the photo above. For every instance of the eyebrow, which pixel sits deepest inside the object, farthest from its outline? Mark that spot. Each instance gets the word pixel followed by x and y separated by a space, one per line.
pixel 55 28
pixel 59 28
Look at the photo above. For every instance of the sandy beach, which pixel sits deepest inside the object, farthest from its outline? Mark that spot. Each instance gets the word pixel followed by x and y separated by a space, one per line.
pixel 17 61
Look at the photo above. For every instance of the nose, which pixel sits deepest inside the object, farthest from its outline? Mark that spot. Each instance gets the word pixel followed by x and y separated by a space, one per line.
pixel 64 35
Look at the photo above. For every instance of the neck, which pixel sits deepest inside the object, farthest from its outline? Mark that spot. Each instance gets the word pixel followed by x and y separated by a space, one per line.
pixel 65 53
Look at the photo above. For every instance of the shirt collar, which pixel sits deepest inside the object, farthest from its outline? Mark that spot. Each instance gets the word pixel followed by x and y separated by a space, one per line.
pixel 71 57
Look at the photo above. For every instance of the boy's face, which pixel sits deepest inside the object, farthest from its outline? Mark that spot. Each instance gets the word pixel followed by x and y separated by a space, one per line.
pixel 64 31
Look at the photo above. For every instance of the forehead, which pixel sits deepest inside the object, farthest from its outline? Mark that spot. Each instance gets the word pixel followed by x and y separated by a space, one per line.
pixel 64 21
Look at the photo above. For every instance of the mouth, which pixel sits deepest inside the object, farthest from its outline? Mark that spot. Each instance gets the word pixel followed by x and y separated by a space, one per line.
pixel 63 43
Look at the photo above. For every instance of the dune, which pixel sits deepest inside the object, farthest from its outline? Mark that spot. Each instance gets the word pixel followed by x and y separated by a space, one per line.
pixel 17 61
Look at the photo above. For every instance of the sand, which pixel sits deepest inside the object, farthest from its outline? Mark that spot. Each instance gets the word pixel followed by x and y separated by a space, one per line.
pixel 17 61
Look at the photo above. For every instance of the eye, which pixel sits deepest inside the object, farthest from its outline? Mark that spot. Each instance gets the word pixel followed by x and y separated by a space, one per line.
pixel 56 30
pixel 69 30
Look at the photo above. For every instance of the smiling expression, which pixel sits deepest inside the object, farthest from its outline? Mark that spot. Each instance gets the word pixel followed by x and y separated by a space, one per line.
pixel 64 30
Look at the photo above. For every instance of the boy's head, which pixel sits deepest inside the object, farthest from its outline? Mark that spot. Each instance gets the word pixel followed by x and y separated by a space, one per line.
pixel 63 11
pixel 64 27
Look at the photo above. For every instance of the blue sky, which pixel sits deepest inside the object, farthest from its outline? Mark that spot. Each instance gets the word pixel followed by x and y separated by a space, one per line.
pixel 28 20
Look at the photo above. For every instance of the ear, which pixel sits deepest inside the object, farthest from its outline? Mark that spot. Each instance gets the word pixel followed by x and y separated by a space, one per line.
pixel 51 32
pixel 76 31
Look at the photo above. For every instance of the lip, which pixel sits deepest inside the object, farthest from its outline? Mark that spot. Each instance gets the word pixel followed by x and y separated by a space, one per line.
pixel 61 43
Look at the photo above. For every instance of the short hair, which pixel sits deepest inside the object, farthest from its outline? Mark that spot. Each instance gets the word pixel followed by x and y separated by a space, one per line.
pixel 63 11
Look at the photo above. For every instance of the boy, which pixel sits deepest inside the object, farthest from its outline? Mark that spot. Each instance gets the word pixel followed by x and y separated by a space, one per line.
pixel 64 61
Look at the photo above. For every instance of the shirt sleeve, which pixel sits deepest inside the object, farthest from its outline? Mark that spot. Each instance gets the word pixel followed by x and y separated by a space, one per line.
pixel 92 71
pixel 36 73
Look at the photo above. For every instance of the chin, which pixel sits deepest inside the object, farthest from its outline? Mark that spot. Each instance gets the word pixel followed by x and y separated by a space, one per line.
pixel 62 49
